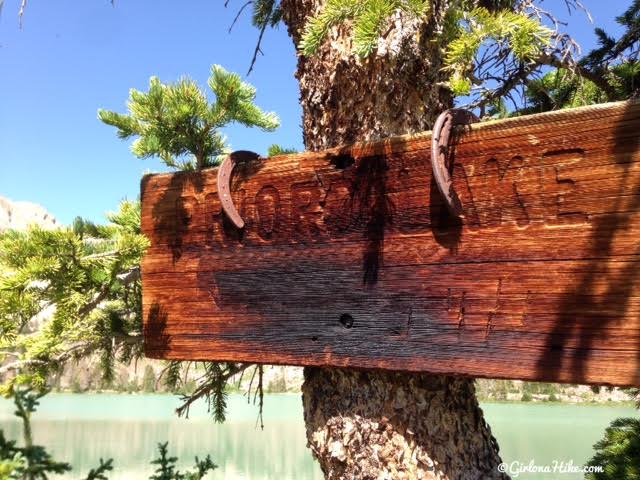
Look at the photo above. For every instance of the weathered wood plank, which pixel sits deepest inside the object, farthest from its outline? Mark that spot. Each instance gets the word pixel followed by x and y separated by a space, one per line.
pixel 348 257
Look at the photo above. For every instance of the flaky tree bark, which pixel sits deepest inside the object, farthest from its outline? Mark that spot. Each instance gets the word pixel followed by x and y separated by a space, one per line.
pixel 394 91
pixel 378 425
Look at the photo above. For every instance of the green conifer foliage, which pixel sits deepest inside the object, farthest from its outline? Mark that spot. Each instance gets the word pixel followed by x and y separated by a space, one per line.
pixel 369 17
pixel 525 39
pixel 275 150
pixel 33 462
pixel 83 282
pixel 68 292
pixel 619 58
pixel 613 64
pixel 166 469
pixel 30 462
pixel 177 123
pixel 520 35
pixel 618 452
pixel 560 89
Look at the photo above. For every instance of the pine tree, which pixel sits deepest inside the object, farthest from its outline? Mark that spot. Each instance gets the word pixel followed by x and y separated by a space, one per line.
pixel 87 277
pixel 275 150
pixel 149 380
pixel 615 62
pixel 177 123
pixel 33 462
pixel 166 469
pixel 68 293
pixel 618 453
pixel 490 47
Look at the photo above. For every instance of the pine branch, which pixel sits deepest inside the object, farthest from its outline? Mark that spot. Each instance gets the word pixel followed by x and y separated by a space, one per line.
pixel 206 388
pixel 128 339
pixel 98 473
pixel 126 278
pixel 85 294
pixel 20 365
pixel 68 353
pixel 98 256
pixel 257 49
pixel 240 10
pixel 161 374
pixel 598 79
pixel 178 124
pixel 261 392
pixel 23 6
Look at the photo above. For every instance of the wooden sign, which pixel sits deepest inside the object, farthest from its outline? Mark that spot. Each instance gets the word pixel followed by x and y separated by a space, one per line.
pixel 349 258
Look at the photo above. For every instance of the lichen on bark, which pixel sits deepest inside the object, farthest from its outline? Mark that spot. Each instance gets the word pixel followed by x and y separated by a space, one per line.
pixel 386 425
pixel 396 90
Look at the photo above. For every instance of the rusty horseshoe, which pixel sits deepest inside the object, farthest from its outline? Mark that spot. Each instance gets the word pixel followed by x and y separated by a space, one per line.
pixel 440 138
pixel 225 170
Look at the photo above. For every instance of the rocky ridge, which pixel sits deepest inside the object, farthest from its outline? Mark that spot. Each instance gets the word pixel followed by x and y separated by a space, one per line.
pixel 19 215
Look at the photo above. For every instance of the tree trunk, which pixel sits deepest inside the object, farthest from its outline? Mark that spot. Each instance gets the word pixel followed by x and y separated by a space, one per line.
pixel 379 425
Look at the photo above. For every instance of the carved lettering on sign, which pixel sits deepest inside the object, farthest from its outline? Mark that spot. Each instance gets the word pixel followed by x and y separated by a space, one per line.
pixel 219 231
pixel 461 310
pixel 207 283
pixel 267 205
pixel 510 310
pixel 306 212
pixel 491 211
pixel 213 221
pixel 488 307
pixel 337 206
pixel 530 190
pixel 514 210
pixel 504 204
pixel 463 188
pixel 567 212
pixel 518 191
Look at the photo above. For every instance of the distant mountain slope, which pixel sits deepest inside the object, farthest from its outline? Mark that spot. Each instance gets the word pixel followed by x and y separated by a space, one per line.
pixel 19 215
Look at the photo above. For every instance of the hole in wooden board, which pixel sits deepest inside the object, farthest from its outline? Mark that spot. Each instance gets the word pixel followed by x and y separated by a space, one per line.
pixel 342 161
pixel 346 320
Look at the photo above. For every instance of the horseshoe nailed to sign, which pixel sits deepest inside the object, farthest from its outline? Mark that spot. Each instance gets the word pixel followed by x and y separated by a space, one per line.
pixel 351 257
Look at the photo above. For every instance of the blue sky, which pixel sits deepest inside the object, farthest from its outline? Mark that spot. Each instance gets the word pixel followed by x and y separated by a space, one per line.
pixel 75 56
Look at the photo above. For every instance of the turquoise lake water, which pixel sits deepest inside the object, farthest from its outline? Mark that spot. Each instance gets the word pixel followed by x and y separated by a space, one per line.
pixel 81 429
